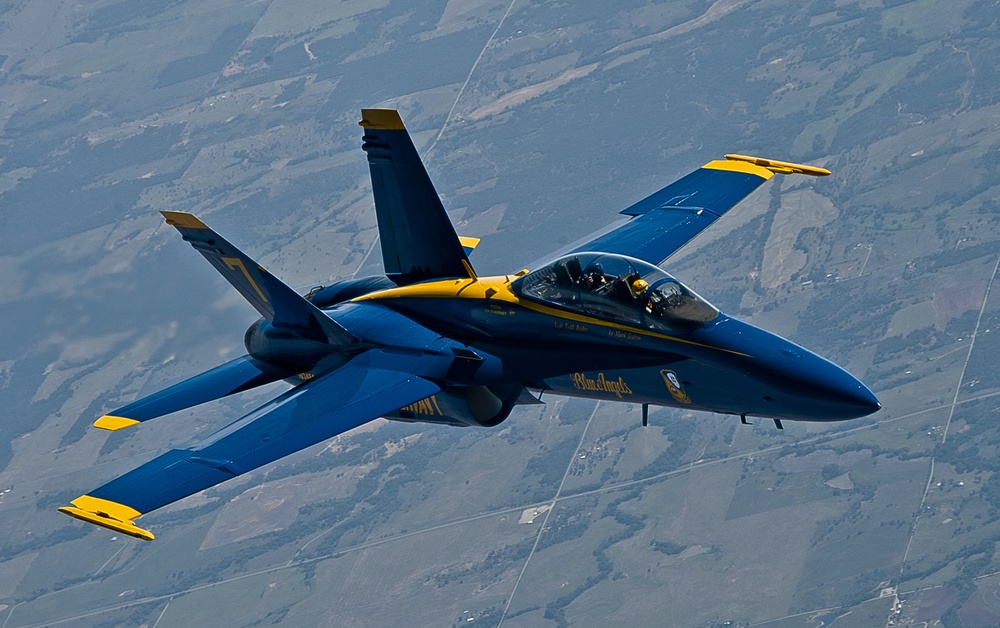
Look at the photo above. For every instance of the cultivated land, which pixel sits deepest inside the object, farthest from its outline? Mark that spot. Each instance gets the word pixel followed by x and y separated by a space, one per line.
pixel 538 122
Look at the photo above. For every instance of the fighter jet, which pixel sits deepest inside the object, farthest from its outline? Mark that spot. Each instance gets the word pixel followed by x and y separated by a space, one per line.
pixel 431 341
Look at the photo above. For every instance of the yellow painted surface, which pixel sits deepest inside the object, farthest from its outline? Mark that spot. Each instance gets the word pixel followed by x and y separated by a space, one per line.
pixel 125 527
pixel 451 288
pixel 235 263
pixel 499 291
pixel 112 423
pixel 739 166
pixel 468 269
pixel 107 514
pixel 183 219
pixel 106 507
pixel 781 167
pixel 381 119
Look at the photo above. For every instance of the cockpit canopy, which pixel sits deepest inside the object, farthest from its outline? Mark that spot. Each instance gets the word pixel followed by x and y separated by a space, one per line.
pixel 619 289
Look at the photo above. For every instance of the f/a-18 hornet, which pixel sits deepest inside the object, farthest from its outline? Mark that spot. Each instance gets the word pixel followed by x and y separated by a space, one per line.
pixel 432 341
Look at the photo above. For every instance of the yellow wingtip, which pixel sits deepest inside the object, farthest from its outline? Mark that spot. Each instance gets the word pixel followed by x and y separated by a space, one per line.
pixel 381 119
pixel 780 167
pixel 740 166
pixel 107 514
pixel 468 242
pixel 112 423
pixel 183 219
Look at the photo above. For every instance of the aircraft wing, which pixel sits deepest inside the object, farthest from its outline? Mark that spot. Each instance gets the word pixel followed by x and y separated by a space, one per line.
pixel 665 221
pixel 364 389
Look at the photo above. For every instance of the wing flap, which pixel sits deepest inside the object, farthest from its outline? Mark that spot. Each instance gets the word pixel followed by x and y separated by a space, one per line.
pixel 363 389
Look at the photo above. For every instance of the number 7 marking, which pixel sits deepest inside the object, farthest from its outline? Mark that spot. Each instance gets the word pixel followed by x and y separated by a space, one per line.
pixel 234 263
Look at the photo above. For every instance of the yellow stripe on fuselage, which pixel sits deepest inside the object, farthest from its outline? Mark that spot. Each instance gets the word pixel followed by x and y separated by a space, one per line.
pixel 498 289
pixel 450 289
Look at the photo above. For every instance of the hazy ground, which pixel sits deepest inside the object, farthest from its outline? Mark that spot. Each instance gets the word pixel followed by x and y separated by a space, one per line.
pixel 538 121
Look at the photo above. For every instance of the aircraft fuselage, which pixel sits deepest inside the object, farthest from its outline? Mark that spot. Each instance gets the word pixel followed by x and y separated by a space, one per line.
pixel 725 365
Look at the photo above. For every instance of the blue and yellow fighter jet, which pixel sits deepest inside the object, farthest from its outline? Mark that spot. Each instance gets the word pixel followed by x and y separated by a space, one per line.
pixel 431 341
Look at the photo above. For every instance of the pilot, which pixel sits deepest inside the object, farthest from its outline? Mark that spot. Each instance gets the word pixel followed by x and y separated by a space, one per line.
pixel 594 279
pixel 638 288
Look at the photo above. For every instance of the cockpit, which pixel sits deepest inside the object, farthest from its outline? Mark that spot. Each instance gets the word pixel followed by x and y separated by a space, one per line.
pixel 619 289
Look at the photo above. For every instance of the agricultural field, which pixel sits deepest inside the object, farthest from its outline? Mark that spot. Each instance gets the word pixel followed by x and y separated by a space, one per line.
pixel 538 122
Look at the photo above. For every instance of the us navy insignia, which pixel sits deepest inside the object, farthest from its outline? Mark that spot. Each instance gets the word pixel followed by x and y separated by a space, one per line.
pixel 674 386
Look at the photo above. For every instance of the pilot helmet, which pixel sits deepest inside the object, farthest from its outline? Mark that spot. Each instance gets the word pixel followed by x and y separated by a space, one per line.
pixel 638 287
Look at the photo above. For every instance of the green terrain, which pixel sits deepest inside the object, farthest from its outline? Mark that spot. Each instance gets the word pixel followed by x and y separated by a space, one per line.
pixel 538 121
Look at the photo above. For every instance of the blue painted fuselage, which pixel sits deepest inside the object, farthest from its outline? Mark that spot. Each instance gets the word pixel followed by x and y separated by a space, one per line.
pixel 723 365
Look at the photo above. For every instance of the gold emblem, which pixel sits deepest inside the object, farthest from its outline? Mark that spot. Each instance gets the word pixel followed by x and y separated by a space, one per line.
pixel 674 386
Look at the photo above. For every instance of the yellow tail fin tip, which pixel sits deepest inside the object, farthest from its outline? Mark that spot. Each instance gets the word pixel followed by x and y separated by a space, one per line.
pixel 183 219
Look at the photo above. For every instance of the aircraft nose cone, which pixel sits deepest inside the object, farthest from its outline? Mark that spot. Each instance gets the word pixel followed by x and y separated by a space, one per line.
pixel 853 399
pixel 806 386
pixel 865 401
pixel 836 394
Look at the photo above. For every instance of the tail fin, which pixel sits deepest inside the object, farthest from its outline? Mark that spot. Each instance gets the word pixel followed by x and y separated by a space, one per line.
pixel 418 240
pixel 280 305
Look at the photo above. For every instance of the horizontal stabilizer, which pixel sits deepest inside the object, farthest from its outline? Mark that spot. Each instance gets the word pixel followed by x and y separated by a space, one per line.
pixel 280 305
pixel 417 237
pixel 232 377
pixel 363 389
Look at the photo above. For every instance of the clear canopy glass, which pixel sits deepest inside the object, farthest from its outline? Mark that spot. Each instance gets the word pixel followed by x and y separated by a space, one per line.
pixel 619 289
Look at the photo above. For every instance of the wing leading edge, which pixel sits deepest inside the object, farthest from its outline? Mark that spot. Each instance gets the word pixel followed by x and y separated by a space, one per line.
pixel 356 393
pixel 665 221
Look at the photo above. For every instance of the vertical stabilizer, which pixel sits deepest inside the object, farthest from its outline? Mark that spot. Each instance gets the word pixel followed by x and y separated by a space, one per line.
pixel 418 240
pixel 276 302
